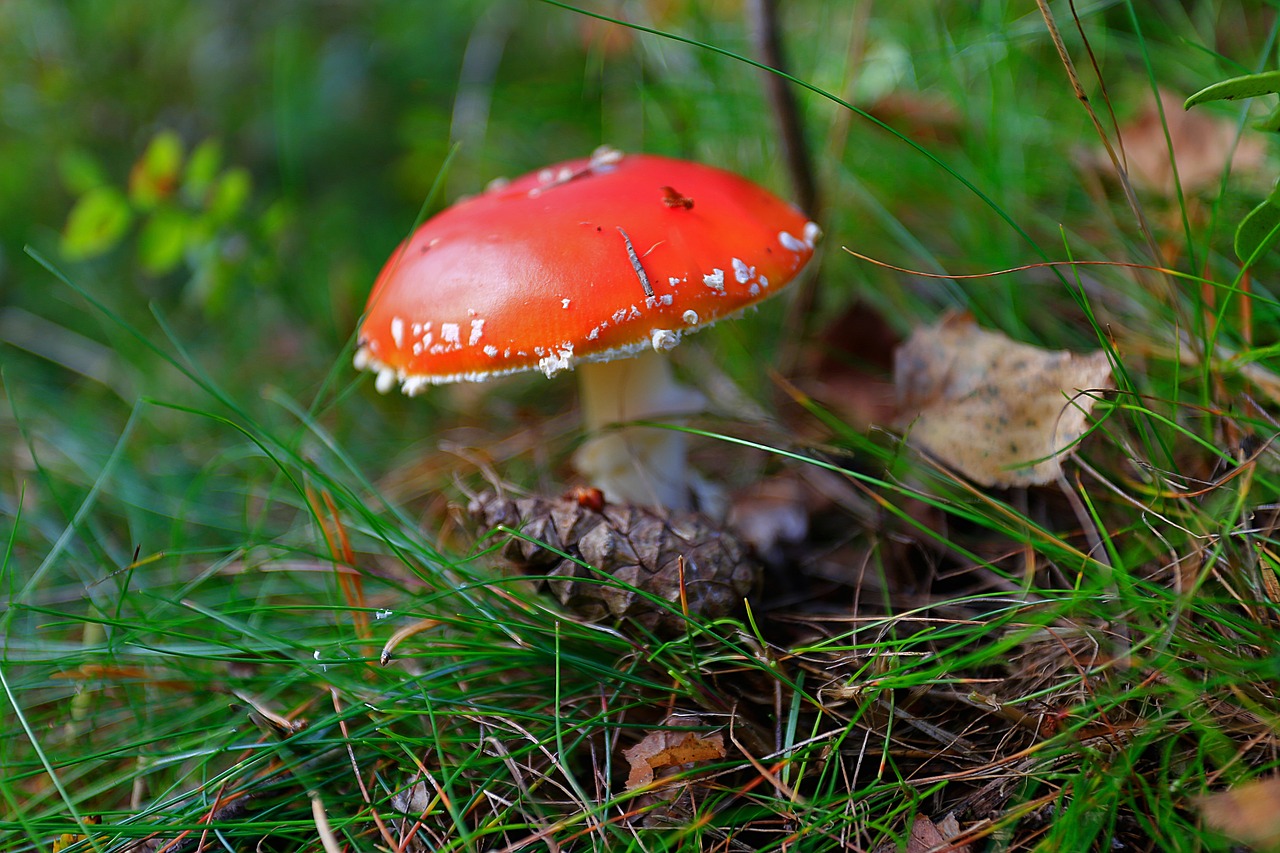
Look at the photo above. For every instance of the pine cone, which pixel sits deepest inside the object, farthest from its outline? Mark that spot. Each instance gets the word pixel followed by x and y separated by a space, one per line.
pixel 634 544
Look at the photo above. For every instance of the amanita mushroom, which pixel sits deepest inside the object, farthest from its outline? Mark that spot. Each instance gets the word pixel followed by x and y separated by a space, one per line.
pixel 599 265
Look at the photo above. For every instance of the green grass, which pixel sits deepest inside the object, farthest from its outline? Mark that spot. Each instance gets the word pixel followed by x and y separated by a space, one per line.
pixel 212 523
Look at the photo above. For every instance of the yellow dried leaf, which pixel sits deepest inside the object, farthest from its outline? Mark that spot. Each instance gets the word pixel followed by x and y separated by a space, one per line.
pixel 1248 813
pixel 670 748
pixel 1001 412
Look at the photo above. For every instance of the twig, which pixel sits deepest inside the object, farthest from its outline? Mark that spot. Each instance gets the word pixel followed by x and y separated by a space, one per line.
pixel 765 32
pixel 636 265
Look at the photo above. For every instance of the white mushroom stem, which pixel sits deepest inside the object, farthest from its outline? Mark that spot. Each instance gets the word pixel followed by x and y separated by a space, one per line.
pixel 636 464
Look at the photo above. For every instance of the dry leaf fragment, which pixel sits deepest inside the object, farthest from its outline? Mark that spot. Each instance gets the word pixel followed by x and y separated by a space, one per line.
pixel 1001 412
pixel 1204 144
pixel 926 117
pixel 852 361
pixel 1248 813
pixel 770 514
pixel 413 800
pixel 671 748
pixel 929 836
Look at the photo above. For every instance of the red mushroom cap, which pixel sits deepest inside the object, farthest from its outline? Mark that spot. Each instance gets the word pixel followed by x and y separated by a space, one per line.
pixel 586 260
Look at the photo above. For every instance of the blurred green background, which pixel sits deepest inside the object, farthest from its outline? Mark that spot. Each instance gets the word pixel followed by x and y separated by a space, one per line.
pixel 243 169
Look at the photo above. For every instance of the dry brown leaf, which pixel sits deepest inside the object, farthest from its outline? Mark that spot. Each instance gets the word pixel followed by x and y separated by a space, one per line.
pixel 926 117
pixel 1248 813
pixel 671 748
pixel 927 835
pixel 770 514
pixel 1001 412
pixel 1204 145
pixel 413 800
pixel 851 364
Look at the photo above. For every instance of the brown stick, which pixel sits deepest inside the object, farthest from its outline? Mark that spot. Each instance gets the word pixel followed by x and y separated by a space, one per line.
pixel 763 15
pixel 765 32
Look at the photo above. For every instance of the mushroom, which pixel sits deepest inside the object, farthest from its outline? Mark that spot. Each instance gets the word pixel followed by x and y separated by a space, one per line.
pixel 599 265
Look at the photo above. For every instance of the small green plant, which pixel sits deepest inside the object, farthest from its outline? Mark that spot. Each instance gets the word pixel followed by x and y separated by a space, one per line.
pixel 1260 229
pixel 190 211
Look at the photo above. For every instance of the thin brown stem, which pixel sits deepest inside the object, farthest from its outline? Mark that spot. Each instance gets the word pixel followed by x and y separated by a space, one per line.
pixel 766 33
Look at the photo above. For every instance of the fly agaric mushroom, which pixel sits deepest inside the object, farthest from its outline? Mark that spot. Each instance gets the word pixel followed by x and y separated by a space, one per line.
pixel 598 265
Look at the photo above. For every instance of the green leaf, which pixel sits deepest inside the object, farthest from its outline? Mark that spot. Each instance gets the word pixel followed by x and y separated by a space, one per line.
pixel 202 168
pixel 1259 230
pixel 163 241
pixel 230 194
pixel 1248 86
pixel 96 223
pixel 155 175
pixel 276 219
